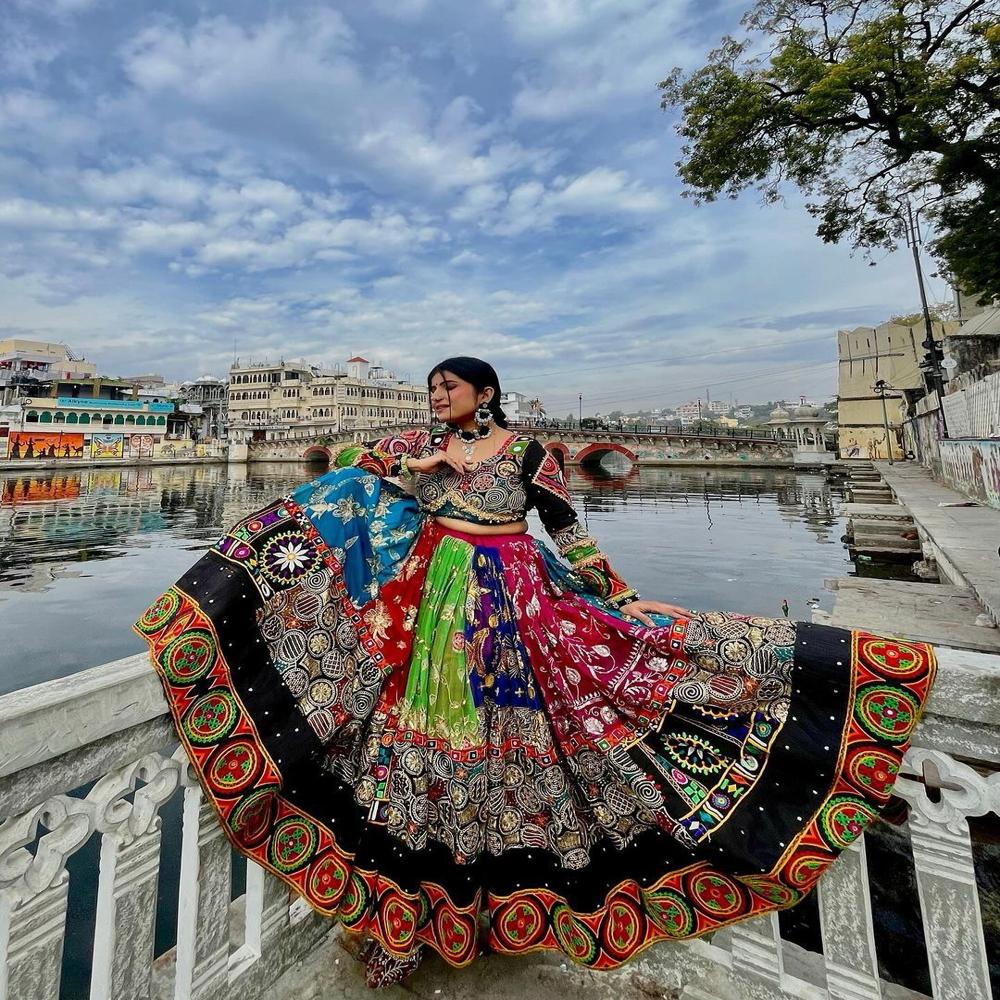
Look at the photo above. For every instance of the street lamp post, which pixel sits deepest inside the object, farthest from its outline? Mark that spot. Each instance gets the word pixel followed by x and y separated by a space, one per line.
pixel 581 411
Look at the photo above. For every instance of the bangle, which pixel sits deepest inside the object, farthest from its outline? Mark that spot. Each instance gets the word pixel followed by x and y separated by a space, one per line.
pixel 404 468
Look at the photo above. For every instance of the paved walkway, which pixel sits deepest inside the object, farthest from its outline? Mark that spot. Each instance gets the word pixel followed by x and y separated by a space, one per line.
pixel 965 539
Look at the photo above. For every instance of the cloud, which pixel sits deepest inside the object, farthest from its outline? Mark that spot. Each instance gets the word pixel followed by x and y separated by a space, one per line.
pixel 600 192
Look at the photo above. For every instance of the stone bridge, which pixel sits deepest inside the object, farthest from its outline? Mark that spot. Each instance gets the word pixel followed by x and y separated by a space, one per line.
pixel 572 447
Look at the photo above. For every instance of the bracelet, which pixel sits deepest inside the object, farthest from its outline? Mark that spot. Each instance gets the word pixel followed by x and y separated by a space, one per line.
pixel 404 468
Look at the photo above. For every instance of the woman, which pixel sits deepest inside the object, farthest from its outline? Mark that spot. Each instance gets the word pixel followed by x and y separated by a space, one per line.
pixel 436 731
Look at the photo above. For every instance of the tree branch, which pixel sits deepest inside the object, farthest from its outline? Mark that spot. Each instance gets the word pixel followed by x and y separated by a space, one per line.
pixel 956 22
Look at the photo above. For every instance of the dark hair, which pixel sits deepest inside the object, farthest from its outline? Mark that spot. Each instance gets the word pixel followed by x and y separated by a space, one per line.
pixel 480 374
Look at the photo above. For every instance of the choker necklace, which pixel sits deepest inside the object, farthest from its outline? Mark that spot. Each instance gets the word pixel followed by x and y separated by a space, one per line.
pixel 469 439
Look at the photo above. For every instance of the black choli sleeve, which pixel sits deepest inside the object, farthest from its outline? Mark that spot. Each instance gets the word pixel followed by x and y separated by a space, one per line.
pixel 546 488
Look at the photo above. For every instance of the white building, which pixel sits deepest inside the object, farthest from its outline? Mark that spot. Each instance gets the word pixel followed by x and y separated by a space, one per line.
pixel 521 408
pixel 296 398
pixel 24 364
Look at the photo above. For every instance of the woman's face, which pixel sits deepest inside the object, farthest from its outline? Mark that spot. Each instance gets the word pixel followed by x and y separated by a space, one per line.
pixel 453 399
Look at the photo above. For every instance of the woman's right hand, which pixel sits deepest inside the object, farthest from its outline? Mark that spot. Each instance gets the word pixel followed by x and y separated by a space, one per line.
pixel 440 458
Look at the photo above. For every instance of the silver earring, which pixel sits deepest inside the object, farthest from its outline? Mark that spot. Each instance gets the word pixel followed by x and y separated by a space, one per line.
pixel 484 419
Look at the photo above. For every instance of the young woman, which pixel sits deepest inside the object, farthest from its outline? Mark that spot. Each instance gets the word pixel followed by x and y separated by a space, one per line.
pixel 441 734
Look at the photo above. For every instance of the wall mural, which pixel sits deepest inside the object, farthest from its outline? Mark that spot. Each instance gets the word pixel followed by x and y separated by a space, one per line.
pixel 866 442
pixel 974 468
pixel 107 446
pixel 140 446
pixel 29 445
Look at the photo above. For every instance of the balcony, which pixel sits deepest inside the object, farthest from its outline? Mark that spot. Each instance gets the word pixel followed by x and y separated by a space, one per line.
pixel 94 755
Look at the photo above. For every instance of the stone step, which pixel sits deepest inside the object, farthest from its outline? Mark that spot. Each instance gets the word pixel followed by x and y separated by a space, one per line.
pixel 877 511
pixel 926 612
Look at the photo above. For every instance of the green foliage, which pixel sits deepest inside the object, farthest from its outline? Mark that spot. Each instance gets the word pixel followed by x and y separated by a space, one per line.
pixel 865 105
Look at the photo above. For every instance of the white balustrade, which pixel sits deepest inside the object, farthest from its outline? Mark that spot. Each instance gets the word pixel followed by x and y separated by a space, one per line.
pixel 109 726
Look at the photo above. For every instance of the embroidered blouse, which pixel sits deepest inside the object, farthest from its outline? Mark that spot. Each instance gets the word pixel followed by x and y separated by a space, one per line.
pixel 500 490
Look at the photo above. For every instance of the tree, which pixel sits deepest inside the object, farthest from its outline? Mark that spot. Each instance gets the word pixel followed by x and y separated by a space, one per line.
pixel 865 105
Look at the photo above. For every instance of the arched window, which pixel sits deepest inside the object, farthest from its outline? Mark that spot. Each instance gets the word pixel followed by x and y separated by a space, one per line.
pixel 71 418
pixel 161 421
pixel 59 418
pixel 32 417
pixel 108 420
pixel 119 419
pixel 140 421
pixel 130 420
pixel 46 418
pixel 84 418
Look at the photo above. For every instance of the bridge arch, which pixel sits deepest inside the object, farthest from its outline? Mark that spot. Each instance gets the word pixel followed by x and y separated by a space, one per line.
pixel 592 454
pixel 317 454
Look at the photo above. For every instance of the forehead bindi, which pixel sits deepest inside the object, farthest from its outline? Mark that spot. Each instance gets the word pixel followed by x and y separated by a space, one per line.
pixel 447 380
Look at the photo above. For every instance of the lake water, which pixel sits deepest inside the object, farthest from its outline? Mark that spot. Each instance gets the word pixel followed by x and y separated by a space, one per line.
pixel 82 552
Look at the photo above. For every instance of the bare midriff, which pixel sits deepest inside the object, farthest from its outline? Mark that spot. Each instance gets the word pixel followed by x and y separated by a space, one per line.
pixel 456 524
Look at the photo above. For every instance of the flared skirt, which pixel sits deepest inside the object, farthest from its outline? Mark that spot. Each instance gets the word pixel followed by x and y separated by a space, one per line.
pixel 442 738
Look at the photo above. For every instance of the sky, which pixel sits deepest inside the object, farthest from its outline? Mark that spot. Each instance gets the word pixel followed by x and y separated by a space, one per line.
pixel 185 182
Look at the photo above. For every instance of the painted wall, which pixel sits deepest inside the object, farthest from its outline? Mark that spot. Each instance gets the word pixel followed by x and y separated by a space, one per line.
pixel 47 446
pixel 866 442
pixel 32 446
pixel 974 468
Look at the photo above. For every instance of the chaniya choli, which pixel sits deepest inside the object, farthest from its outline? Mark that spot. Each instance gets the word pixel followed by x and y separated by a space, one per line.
pixel 459 741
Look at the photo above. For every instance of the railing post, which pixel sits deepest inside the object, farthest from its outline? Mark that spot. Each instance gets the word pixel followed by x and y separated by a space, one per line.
pixel 946 881
pixel 845 913
pixel 203 906
pixel 756 949
pixel 266 907
pixel 33 895
pixel 129 873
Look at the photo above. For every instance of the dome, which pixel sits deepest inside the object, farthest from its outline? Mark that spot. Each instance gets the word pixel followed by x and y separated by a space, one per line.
pixel 806 411
pixel 778 413
pixel 207 378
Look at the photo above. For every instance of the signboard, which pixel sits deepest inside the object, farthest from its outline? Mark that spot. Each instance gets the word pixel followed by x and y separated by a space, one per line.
pixel 114 404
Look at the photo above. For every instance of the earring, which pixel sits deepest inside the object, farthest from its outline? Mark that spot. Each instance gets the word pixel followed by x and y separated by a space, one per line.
pixel 484 419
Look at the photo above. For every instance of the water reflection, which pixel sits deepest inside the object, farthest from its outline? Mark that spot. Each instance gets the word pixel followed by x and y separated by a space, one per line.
pixel 82 552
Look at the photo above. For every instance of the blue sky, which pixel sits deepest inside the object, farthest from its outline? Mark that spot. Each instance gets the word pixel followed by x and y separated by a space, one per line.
pixel 407 179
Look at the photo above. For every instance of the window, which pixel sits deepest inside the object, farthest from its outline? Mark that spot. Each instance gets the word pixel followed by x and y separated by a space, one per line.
pixel 71 418
pixel 32 417
pixel 46 418
pixel 84 418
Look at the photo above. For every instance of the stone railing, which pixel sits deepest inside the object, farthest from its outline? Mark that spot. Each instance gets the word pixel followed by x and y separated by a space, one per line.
pixel 94 754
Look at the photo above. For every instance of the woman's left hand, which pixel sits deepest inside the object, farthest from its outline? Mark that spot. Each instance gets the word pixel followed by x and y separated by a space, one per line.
pixel 638 609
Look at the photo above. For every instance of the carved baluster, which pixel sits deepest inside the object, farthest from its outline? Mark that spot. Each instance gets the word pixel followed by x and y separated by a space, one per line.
pixel 266 907
pixel 129 873
pixel 33 894
pixel 756 946
pixel 203 907
pixel 942 854
pixel 845 912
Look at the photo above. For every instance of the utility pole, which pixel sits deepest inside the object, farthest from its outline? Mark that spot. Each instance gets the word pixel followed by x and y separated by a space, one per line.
pixel 581 410
pixel 931 365
pixel 881 387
